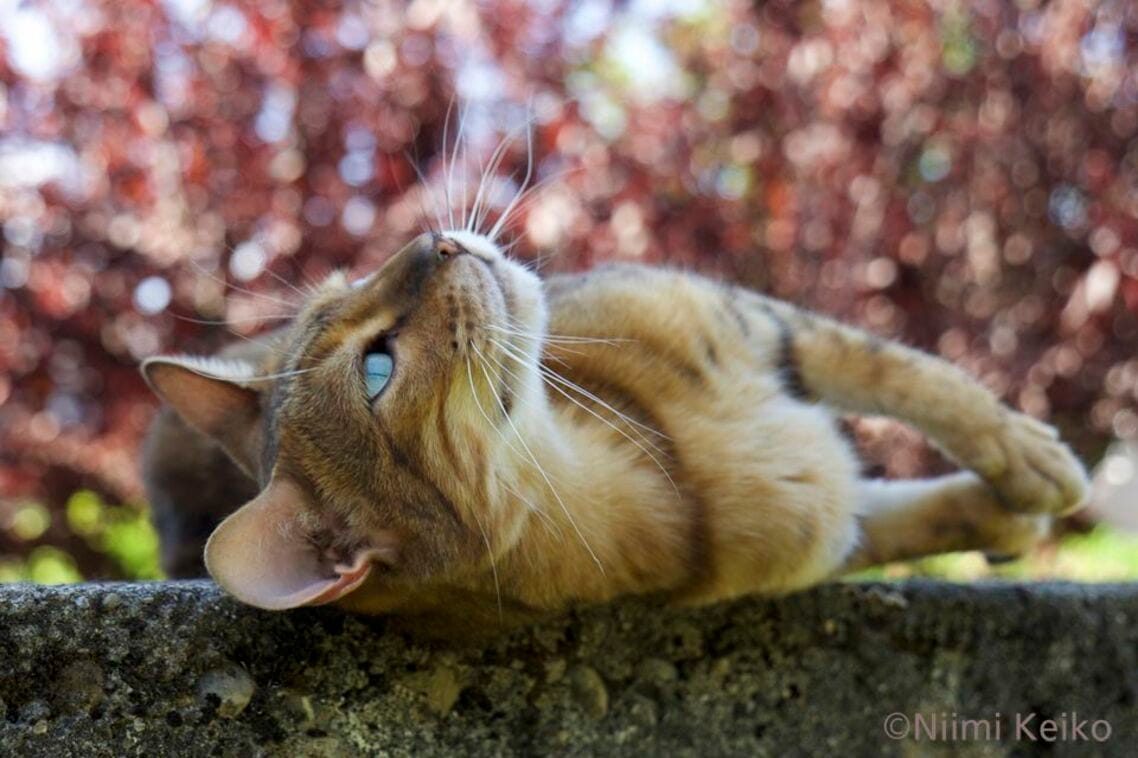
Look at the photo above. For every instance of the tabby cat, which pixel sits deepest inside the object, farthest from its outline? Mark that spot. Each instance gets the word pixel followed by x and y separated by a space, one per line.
pixel 453 435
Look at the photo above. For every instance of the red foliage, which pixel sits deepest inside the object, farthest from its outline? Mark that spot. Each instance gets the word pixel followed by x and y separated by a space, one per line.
pixel 962 179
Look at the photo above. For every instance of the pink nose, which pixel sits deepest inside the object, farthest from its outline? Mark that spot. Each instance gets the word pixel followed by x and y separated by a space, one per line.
pixel 448 248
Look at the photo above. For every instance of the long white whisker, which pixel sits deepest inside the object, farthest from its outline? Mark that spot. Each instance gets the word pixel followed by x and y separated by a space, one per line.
pixel 425 186
pixel 546 371
pixel 540 469
pixel 477 211
pixel 261 377
pixel 259 343
pixel 228 321
pixel 541 513
pixel 493 562
pixel 468 222
pixel 449 170
pixel 494 230
pixel 465 184
pixel 446 170
pixel 496 161
pixel 550 525
pixel 530 196
pixel 507 250
pixel 543 260
pixel 565 338
pixel 276 300
pixel 485 415
pixel 286 283
pixel 639 443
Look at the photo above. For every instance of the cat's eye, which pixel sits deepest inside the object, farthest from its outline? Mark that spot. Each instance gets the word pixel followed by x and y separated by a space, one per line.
pixel 377 372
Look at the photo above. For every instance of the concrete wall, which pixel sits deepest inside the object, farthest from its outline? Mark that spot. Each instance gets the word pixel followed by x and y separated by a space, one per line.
pixel 177 669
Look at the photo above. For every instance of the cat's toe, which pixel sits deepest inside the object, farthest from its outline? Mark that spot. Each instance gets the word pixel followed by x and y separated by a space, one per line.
pixel 1040 474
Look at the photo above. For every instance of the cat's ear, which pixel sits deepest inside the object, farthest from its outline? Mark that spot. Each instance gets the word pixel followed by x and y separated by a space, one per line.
pixel 216 397
pixel 262 555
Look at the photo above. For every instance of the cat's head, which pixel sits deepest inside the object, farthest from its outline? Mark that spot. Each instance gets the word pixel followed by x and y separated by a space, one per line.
pixel 379 426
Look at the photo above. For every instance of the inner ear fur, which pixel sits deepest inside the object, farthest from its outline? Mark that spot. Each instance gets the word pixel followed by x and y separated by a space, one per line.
pixel 214 397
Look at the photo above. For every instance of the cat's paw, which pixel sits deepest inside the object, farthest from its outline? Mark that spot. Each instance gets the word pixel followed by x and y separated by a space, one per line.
pixel 1030 468
pixel 1013 535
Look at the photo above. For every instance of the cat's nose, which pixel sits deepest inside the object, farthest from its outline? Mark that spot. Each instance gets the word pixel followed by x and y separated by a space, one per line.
pixel 447 248
pixel 416 262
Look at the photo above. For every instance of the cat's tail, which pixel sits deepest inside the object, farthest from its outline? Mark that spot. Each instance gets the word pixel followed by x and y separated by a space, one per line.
pixel 1021 458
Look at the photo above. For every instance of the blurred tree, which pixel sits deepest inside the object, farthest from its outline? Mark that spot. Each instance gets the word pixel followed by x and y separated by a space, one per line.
pixel 958 175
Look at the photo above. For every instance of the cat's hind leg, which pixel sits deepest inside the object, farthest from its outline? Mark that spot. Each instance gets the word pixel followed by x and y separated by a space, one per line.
pixel 1020 457
pixel 914 518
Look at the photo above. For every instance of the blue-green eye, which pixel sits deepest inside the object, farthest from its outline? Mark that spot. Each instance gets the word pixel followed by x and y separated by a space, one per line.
pixel 377 372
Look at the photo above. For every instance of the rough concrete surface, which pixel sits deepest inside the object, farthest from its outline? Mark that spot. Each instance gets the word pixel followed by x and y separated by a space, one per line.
pixel 177 669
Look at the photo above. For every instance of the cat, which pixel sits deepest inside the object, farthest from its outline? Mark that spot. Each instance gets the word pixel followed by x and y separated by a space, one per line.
pixel 454 437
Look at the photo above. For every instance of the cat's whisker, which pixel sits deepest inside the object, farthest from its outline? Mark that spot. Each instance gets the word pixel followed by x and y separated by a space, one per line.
pixel 424 186
pixel 497 228
pixel 481 208
pixel 550 524
pixel 533 339
pixel 465 145
pixel 539 339
pixel 260 343
pixel 546 371
pixel 304 292
pixel 229 321
pixel 493 562
pixel 602 419
pixel 252 293
pixel 477 210
pixel 251 340
pixel 283 374
pixel 286 283
pixel 562 338
pixel 543 260
pixel 639 441
pixel 530 196
pixel 496 427
pixel 541 469
pixel 496 164
pixel 445 168
pixel 507 249
pixel 554 376
pixel 468 218
pixel 448 170
pixel 418 190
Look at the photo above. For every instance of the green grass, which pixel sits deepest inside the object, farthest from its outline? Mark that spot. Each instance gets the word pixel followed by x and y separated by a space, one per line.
pixel 1102 555
pixel 121 532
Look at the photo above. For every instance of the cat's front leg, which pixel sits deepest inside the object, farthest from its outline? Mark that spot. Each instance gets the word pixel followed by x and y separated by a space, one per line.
pixel 1021 458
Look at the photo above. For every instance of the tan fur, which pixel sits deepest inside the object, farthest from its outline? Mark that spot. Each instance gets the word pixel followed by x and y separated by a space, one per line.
pixel 723 474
